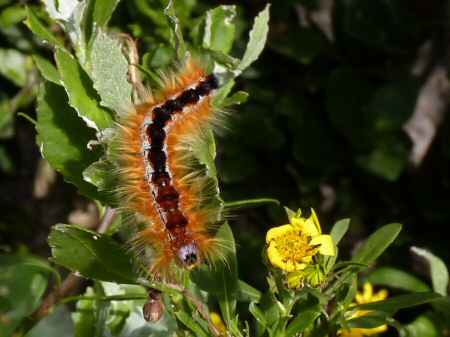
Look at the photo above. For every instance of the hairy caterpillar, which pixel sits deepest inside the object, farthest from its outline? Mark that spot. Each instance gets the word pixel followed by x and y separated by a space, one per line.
pixel 155 159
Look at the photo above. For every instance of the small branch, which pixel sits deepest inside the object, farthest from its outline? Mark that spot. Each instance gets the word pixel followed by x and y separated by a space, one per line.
pixel 71 282
pixel 130 49
pixel 107 220
pixel 198 305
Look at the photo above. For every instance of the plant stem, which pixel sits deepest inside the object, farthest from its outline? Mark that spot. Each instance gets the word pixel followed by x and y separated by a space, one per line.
pixel 198 305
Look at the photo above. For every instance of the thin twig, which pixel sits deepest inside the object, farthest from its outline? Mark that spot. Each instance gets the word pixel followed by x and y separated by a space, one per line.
pixel 71 282
pixel 107 220
pixel 198 305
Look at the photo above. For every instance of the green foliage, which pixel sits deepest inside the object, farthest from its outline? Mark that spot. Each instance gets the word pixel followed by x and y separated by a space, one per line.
pixel 91 254
pixel 325 119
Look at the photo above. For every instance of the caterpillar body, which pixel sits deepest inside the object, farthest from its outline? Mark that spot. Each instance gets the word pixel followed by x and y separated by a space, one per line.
pixel 158 186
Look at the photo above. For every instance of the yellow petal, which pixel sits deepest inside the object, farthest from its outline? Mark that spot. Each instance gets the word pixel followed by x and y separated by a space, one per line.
pixel 366 296
pixel 300 266
pixel 379 296
pixel 316 220
pixel 298 223
pixel 310 228
pixel 289 266
pixel 274 256
pixel 326 244
pixel 276 232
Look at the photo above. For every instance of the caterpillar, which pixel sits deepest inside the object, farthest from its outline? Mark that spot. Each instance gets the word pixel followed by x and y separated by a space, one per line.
pixel 158 183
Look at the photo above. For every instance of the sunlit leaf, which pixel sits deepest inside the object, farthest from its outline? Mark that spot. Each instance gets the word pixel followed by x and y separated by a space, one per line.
pixel 439 272
pixel 219 29
pixel 109 74
pixel 91 254
pixel 376 244
pixel 257 41
pixel 82 96
pixel 63 137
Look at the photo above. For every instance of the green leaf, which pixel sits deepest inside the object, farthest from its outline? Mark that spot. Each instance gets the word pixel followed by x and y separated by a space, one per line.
pixel 91 254
pixel 389 158
pixel 22 285
pixel 101 174
pixel 377 244
pixel 439 272
pixel 370 320
pixel 7 122
pixel 57 324
pixel 422 326
pixel 29 260
pixel 191 323
pixel 205 152
pixel 246 293
pixel 221 94
pixel 11 16
pixel 400 302
pixel 83 317
pixel 257 41
pixel 339 229
pixel 98 13
pixel 82 95
pixel 15 66
pixel 38 28
pixel 257 313
pixel 301 322
pixel 219 30
pixel 337 233
pixel 47 69
pixel 393 104
pixel 236 99
pixel 250 203
pixel 268 306
pixel 109 73
pixel 64 137
pixel 226 276
pixel 69 14
pixel 394 278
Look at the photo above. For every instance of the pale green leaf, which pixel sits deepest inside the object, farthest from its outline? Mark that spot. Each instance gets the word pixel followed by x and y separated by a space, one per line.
pixel 109 74
pixel 219 30
pixel 257 41
pixel 439 272
pixel 82 95
pixel 15 66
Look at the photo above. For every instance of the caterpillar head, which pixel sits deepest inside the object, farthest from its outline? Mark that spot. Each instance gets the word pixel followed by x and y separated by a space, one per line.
pixel 188 256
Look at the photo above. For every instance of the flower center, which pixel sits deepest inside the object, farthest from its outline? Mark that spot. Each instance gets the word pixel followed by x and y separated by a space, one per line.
pixel 294 246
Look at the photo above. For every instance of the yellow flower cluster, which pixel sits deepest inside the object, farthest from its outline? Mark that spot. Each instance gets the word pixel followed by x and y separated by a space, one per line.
pixel 367 296
pixel 292 247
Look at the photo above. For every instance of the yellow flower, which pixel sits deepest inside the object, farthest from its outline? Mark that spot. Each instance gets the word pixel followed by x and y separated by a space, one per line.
pixel 217 321
pixel 293 246
pixel 367 296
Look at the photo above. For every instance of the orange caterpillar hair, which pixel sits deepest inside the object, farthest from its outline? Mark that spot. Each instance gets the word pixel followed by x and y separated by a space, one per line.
pixel 155 158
